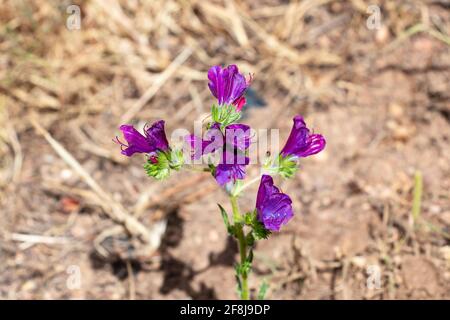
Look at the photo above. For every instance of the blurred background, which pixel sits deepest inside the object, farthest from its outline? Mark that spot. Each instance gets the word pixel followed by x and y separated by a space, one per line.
pixel 79 220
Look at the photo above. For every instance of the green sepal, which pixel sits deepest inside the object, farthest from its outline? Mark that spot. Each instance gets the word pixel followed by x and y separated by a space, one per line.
pixel 287 166
pixel 259 231
pixel 160 169
pixel 249 217
pixel 165 161
pixel 225 114
pixel 284 166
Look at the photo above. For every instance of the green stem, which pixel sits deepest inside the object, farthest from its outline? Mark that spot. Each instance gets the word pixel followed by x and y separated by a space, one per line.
pixel 242 244
pixel 197 168
pixel 245 186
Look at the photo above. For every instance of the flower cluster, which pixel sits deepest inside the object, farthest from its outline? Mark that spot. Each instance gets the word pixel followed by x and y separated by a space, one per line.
pixel 228 142
pixel 232 141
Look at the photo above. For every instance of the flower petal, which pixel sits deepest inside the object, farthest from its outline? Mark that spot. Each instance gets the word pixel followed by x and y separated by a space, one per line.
pixel 136 141
pixel 226 84
pixel 266 189
pixel 274 207
pixel 277 211
pixel 300 142
pixel 156 136
pixel 229 173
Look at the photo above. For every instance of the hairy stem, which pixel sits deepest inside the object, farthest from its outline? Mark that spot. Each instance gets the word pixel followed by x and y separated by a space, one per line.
pixel 242 244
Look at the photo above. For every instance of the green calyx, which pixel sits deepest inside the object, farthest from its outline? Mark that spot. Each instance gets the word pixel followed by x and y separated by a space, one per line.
pixel 159 166
pixel 225 114
pixel 288 166
pixel 258 230
pixel 284 166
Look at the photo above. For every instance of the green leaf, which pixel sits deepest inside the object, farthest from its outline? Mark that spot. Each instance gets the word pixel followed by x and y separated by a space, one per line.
pixel 226 221
pixel 263 290
pixel 238 279
pixel 244 268
pixel 250 239
pixel 212 169
pixel 250 256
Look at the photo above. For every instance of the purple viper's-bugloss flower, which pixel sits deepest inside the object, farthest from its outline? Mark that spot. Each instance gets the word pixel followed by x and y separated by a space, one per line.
pixel 301 143
pixel 154 139
pixel 273 207
pixel 226 173
pixel 228 85
pixel 233 145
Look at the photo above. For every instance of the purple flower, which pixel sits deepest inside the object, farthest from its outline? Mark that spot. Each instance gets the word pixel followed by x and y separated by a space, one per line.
pixel 226 173
pixel 274 208
pixel 301 143
pixel 154 139
pixel 228 85
pixel 233 145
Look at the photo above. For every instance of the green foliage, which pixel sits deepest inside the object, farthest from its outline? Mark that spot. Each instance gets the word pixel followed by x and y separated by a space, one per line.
pixel 258 230
pixel 263 290
pixel 287 166
pixel 225 114
pixel 238 279
pixel 250 256
pixel 164 162
pixel 250 217
pixel 212 169
pixel 284 166
pixel 176 159
pixel 243 269
pixel 226 221
pixel 160 169
pixel 246 242
pixel 250 239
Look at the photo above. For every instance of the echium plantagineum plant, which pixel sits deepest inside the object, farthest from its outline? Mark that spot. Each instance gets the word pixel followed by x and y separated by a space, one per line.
pixel 229 142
